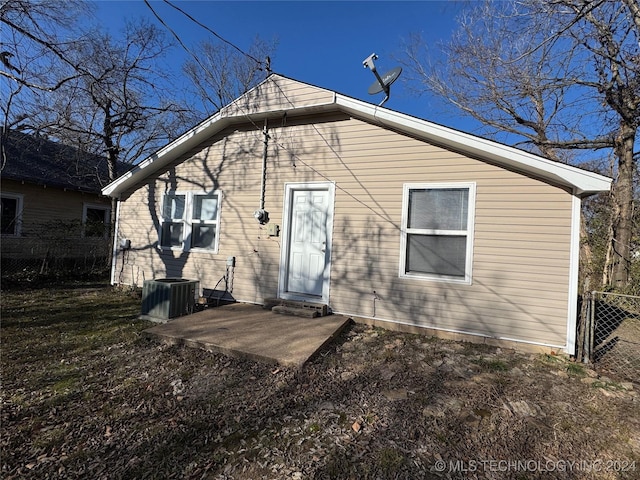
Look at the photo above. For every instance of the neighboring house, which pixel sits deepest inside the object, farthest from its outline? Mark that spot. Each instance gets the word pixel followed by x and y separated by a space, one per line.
pixel 380 215
pixel 52 206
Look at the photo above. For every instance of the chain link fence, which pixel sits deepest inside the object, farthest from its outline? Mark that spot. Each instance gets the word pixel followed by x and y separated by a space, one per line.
pixel 54 251
pixel 609 334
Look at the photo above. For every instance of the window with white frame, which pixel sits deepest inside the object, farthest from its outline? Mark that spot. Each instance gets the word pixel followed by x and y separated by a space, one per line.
pixel 96 219
pixel 11 219
pixel 190 221
pixel 437 231
pixel 174 217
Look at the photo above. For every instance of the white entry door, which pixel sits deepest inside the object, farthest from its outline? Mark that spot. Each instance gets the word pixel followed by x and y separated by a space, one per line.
pixel 308 210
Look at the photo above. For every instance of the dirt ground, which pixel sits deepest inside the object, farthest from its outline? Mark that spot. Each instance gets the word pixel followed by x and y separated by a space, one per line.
pixel 85 395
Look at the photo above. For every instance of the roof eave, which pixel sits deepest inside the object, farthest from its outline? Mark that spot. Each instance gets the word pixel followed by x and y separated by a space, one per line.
pixel 197 135
pixel 583 182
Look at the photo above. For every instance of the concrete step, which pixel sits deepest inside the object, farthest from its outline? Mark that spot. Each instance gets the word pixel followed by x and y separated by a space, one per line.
pixel 320 308
pixel 298 312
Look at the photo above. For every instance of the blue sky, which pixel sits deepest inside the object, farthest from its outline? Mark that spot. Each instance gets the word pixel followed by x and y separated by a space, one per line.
pixel 322 43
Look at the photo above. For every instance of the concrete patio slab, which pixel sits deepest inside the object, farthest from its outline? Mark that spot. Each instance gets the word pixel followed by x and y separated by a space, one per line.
pixel 249 331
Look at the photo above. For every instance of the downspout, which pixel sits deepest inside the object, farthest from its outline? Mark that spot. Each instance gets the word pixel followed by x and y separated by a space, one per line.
pixel 116 249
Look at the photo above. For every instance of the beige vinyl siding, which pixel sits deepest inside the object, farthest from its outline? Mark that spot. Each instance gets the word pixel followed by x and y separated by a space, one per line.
pixel 522 231
pixel 44 205
pixel 278 94
pixel 47 216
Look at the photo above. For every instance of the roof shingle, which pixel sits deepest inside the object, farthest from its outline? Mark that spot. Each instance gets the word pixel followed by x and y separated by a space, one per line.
pixel 35 159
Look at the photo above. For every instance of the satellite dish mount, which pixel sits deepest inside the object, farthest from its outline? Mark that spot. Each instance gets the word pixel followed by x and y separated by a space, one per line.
pixel 382 84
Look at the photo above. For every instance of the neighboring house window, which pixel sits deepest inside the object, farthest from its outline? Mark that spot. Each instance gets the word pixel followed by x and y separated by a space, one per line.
pixel 11 221
pixel 437 231
pixel 190 221
pixel 95 219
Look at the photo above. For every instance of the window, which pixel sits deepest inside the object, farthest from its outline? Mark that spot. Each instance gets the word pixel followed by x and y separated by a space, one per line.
pixel 204 221
pixel 190 221
pixel 437 231
pixel 95 219
pixel 174 216
pixel 11 207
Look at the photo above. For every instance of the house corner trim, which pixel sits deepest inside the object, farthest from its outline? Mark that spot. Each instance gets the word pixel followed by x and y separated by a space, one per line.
pixel 574 267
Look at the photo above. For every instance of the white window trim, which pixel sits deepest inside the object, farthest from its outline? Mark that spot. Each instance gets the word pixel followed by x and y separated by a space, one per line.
pixel 163 219
pixel 187 222
pixel 467 280
pixel 19 207
pixel 96 206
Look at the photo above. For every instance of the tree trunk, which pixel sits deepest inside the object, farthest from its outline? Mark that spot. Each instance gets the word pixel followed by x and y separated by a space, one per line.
pixel 618 265
pixel 586 258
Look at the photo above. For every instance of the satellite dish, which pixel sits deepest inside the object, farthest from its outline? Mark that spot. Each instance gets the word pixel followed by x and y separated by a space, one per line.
pixel 383 83
pixel 387 79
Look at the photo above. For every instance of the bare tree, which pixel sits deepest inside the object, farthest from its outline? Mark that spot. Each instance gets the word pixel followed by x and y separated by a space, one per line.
pixel 554 77
pixel 220 73
pixel 610 32
pixel 112 96
pixel 33 45
pixel 122 103
pixel 104 95
pixel 115 96
pixel 35 39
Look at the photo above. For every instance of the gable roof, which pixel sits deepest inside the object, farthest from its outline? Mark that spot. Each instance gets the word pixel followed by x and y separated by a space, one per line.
pixel 278 95
pixel 37 160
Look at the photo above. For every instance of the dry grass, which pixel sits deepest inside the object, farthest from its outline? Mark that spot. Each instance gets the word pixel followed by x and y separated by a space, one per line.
pixel 84 396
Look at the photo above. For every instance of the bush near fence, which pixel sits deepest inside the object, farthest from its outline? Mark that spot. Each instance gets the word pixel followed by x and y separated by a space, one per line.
pixel 55 250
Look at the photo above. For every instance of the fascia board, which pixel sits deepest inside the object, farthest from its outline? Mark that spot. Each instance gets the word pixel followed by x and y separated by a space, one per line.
pixel 583 182
pixel 166 154
pixel 197 135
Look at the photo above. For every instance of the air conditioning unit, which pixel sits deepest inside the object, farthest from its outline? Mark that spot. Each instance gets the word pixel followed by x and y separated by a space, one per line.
pixel 166 298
